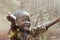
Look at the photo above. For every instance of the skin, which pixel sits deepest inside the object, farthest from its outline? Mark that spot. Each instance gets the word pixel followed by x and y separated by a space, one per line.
pixel 48 24
pixel 21 23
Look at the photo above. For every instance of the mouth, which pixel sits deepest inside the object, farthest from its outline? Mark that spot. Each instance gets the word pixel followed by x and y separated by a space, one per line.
pixel 26 29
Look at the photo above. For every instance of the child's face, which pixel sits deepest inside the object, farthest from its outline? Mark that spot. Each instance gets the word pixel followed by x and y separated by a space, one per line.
pixel 23 21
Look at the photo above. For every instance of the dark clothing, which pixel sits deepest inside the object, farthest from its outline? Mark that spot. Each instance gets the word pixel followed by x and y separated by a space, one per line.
pixel 36 31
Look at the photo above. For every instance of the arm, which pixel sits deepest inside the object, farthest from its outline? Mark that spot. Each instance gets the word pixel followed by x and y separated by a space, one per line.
pixel 50 23
pixel 13 30
pixel 12 19
pixel 43 28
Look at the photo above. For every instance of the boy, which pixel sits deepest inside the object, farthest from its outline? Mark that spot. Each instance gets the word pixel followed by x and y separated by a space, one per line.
pixel 20 26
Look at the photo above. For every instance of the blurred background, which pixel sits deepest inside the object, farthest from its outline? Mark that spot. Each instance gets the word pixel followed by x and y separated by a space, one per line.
pixel 40 11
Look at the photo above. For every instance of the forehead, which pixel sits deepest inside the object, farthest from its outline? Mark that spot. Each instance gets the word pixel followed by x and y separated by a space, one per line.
pixel 23 18
pixel 21 13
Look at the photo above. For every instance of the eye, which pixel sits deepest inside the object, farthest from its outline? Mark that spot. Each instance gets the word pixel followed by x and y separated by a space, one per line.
pixel 26 19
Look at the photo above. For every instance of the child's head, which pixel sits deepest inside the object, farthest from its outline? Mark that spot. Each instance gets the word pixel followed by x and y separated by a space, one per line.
pixel 22 18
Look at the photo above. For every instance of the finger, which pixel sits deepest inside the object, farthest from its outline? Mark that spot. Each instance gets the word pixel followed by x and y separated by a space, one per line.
pixel 9 13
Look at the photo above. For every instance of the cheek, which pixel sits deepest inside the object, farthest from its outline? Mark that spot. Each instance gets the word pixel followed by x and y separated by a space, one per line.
pixel 20 24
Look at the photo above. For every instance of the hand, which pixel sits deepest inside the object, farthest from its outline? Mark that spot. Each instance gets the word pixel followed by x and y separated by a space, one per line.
pixel 10 17
pixel 58 19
